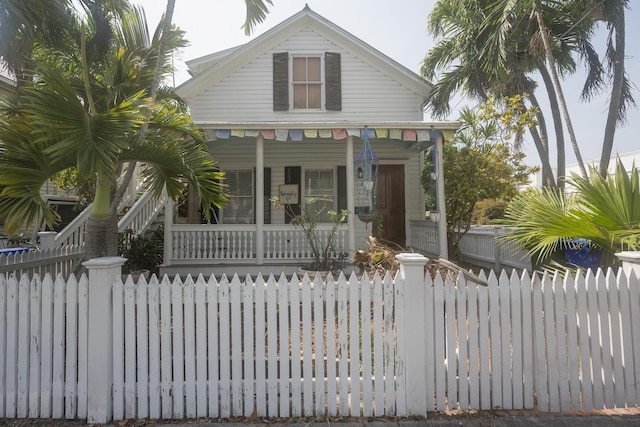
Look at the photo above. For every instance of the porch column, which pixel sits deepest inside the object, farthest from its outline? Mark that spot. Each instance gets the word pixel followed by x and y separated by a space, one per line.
pixel 168 231
pixel 259 200
pixel 442 223
pixel 351 204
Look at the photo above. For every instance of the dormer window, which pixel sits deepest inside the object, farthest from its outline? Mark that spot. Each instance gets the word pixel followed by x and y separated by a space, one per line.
pixel 306 82
pixel 309 87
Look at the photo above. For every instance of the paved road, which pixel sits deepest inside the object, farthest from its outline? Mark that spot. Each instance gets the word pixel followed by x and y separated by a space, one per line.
pixel 533 421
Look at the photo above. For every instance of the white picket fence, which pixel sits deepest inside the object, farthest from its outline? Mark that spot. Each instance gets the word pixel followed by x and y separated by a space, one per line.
pixel 97 348
pixel 53 261
pixel 482 246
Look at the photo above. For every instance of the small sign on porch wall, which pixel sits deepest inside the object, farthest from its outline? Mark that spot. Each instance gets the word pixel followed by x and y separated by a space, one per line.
pixel 289 194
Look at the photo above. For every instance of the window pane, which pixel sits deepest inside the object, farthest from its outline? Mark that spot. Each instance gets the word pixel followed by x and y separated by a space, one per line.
pixel 319 188
pixel 239 208
pixel 313 69
pixel 314 96
pixel 300 96
pixel 299 69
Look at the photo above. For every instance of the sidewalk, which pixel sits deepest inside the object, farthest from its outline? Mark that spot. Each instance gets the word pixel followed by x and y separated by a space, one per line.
pixel 528 421
pixel 521 418
pixel 614 418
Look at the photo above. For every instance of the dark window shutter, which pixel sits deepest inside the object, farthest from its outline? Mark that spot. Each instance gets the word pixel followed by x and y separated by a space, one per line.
pixel 281 81
pixel 267 195
pixel 292 175
pixel 342 188
pixel 333 77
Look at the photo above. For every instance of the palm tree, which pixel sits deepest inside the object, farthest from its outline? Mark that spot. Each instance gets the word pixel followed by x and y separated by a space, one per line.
pixel 465 59
pixel 93 120
pixel 515 11
pixel 603 211
pixel 99 115
pixel 25 22
pixel 620 99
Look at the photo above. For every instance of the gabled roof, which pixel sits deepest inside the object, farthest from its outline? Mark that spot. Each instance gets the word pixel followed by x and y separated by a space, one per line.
pixel 225 62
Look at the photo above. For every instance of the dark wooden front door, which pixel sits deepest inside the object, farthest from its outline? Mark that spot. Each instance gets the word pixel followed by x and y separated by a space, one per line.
pixel 391 203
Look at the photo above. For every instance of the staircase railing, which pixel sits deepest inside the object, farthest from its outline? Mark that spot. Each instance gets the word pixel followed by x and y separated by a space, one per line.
pixel 142 214
pixel 138 218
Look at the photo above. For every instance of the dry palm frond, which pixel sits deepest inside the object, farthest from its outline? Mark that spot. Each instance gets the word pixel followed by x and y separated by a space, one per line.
pixel 451 270
pixel 381 258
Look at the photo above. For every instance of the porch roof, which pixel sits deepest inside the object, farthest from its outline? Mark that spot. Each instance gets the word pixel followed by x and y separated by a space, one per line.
pixel 417 125
pixel 410 135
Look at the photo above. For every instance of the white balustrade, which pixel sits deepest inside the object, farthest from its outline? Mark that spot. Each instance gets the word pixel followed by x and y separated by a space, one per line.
pixel 237 242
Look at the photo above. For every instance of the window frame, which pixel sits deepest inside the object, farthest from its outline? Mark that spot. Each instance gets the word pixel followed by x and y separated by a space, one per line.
pixel 321 82
pixel 324 217
pixel 233 196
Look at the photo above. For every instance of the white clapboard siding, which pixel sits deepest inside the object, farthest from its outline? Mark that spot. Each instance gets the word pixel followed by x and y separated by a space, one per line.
pixel 245 94
pixel 303 347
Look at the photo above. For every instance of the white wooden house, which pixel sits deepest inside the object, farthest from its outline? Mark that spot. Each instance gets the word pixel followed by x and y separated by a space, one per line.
pixel 290 108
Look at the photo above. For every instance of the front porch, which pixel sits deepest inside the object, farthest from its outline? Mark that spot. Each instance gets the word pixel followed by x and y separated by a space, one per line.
pixel 317 160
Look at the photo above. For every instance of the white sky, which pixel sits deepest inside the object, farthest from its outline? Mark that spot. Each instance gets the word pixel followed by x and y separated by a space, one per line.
pixel 397 29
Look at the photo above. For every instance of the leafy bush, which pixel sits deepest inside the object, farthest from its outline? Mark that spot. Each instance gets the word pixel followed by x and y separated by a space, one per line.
pixel 142 253
pixel 487 211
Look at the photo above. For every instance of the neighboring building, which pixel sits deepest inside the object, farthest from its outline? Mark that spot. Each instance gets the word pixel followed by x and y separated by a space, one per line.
pixel 628 160
pixel 291 108
pixel 7 85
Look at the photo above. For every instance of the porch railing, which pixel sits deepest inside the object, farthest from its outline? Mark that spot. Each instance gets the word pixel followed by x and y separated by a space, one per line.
pixel 480 246
pixel 424 237
pixel 237 243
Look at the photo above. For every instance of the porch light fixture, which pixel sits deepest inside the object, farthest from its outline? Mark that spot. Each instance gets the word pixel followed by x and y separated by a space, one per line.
pixel 366 180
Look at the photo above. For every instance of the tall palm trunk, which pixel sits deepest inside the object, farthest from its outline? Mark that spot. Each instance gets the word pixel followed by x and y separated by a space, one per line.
pixel 541 141
pixel 558 87
pixel 101 234
pixel 616 97
pixel 557 125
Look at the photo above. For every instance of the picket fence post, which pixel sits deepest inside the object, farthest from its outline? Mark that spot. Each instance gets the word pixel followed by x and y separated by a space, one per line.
pixel 103 272
pixel 413 276
pixel 47 239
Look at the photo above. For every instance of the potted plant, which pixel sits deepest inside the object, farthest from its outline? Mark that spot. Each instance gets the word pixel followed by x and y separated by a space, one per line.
pixel 326 258
pixel 142 254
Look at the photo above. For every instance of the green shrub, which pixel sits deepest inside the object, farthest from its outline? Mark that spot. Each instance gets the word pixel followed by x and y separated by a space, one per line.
pixel 487 211
pixel 142 253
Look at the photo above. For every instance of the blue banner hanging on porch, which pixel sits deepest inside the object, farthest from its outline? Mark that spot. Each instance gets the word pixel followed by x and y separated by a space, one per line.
pixel 366 180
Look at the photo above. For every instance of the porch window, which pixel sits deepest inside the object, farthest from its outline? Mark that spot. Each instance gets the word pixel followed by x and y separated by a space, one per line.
pixel 319 188
pixel 239 207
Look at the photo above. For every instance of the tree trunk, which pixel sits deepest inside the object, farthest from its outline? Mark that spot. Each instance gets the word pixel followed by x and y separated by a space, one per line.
pixel 542 146
pixel 101 237
pixel 616 100
pixel 557 125
pixel 558 87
